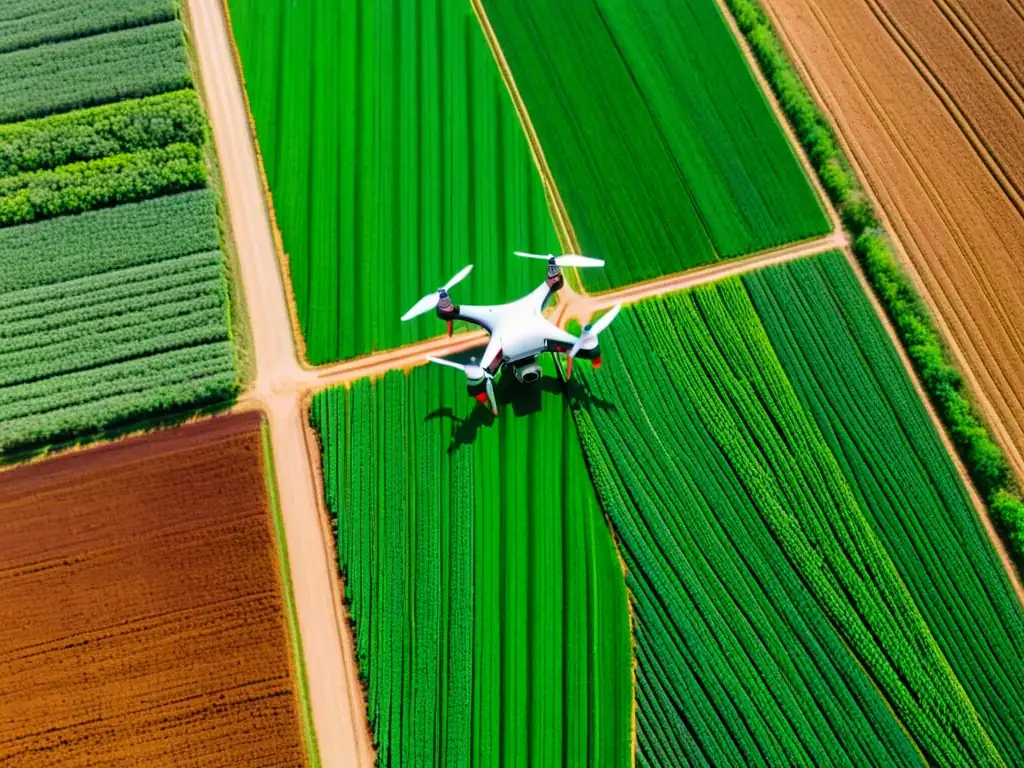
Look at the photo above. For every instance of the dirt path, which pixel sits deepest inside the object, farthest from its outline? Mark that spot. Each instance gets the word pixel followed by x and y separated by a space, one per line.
pixel 334 690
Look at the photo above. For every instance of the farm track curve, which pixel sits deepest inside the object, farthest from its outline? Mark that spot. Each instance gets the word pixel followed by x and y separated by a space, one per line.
pixel 283 386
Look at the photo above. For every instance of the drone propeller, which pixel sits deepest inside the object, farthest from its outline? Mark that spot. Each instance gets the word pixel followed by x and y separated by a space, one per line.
pixel 430 301
pixel 473 372
pixel 568 260
pixel 590 332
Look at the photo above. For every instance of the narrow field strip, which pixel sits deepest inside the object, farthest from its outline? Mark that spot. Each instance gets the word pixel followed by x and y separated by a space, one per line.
pixel 759 467
pixel 490 611
pixel 111 129
pixel 393 159
pixel 658 170
pixel 117 65
pixel 27 23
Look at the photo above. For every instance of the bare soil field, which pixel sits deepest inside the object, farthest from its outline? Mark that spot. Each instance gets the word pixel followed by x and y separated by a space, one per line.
pixel 928 96
pixel 142 620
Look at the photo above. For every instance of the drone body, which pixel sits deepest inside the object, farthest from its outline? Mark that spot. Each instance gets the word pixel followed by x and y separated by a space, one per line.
pixel 519 332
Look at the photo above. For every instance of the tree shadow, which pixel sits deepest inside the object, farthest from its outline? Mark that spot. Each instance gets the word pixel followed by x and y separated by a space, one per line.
pixel 516 400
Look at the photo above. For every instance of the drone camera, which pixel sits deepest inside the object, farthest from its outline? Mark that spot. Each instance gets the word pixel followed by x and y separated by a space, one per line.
pixel 529 373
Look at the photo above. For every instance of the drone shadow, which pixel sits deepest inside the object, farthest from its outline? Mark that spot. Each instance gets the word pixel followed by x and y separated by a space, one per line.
pixel 521 399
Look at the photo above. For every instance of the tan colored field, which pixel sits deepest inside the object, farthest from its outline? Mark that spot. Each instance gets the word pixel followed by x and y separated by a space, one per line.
pixel 929 97
pixel 142 614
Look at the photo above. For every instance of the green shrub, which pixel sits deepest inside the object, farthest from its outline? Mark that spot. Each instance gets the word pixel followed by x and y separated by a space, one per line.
pixel 88 134
pixel 109 181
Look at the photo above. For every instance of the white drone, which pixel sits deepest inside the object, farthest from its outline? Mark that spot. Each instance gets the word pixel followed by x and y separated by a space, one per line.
pixel 519 332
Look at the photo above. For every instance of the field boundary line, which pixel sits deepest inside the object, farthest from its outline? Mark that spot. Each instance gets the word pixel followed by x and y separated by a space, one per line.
pixel 291 618
pixel 559 214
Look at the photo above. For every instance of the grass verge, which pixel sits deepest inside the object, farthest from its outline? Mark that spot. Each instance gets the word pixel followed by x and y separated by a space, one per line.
pixel 302 687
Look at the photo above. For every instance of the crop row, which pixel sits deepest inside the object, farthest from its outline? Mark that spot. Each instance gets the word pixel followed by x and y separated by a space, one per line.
pixel 662 145
pixel 94 70
pixel 113 180
pixel 394 157
pixel 79 249
pixel 490 611
pixel 96 401
pixel 26 23
pixel 111 129
pixel 126 319
pixel 779 503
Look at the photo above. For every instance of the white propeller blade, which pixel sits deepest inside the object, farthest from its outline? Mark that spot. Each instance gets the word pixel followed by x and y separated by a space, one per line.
pixel 449 363
pixel 574 260
pixel 566 260
pixel 591 332
pixel 459 277
pixel 425 304
pixel 490 395
pixel 606 320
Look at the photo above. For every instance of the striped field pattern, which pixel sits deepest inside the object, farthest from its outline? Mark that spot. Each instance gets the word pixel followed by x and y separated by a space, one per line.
pixel 489 604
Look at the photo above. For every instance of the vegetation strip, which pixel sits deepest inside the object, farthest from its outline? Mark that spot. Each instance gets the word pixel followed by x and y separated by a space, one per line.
pixel 932 361
pixel 489 606
pixel 108 67
pixel 673 172
pixel 431 173
pixel 27 23
pixel 284 569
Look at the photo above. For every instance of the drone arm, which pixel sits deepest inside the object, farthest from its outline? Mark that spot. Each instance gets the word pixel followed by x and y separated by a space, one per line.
pixel 476 315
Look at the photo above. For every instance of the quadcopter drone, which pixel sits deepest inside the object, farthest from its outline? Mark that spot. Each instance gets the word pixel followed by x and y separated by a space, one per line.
pixel 519 333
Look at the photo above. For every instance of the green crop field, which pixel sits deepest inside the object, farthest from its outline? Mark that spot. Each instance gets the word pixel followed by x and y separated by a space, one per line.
pixel 847 374
pixel 125 319
pixel 27 23
pixel 802 554
pixel 663 147
pixel 129 63
pixel 489 605
pixel 394 157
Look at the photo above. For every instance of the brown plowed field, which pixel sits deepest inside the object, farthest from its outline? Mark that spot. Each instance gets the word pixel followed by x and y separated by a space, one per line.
pixel 141 618
pixel 929 97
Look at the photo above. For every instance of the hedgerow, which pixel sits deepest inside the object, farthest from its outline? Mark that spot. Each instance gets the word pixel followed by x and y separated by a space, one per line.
pixel 95 70
pixel 96 132
pixel 25 23
pixel 981 454
pixel 108 181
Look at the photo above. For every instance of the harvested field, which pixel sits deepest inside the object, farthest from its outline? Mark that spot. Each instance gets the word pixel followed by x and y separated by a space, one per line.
pixel 928 98
pixel 143 617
